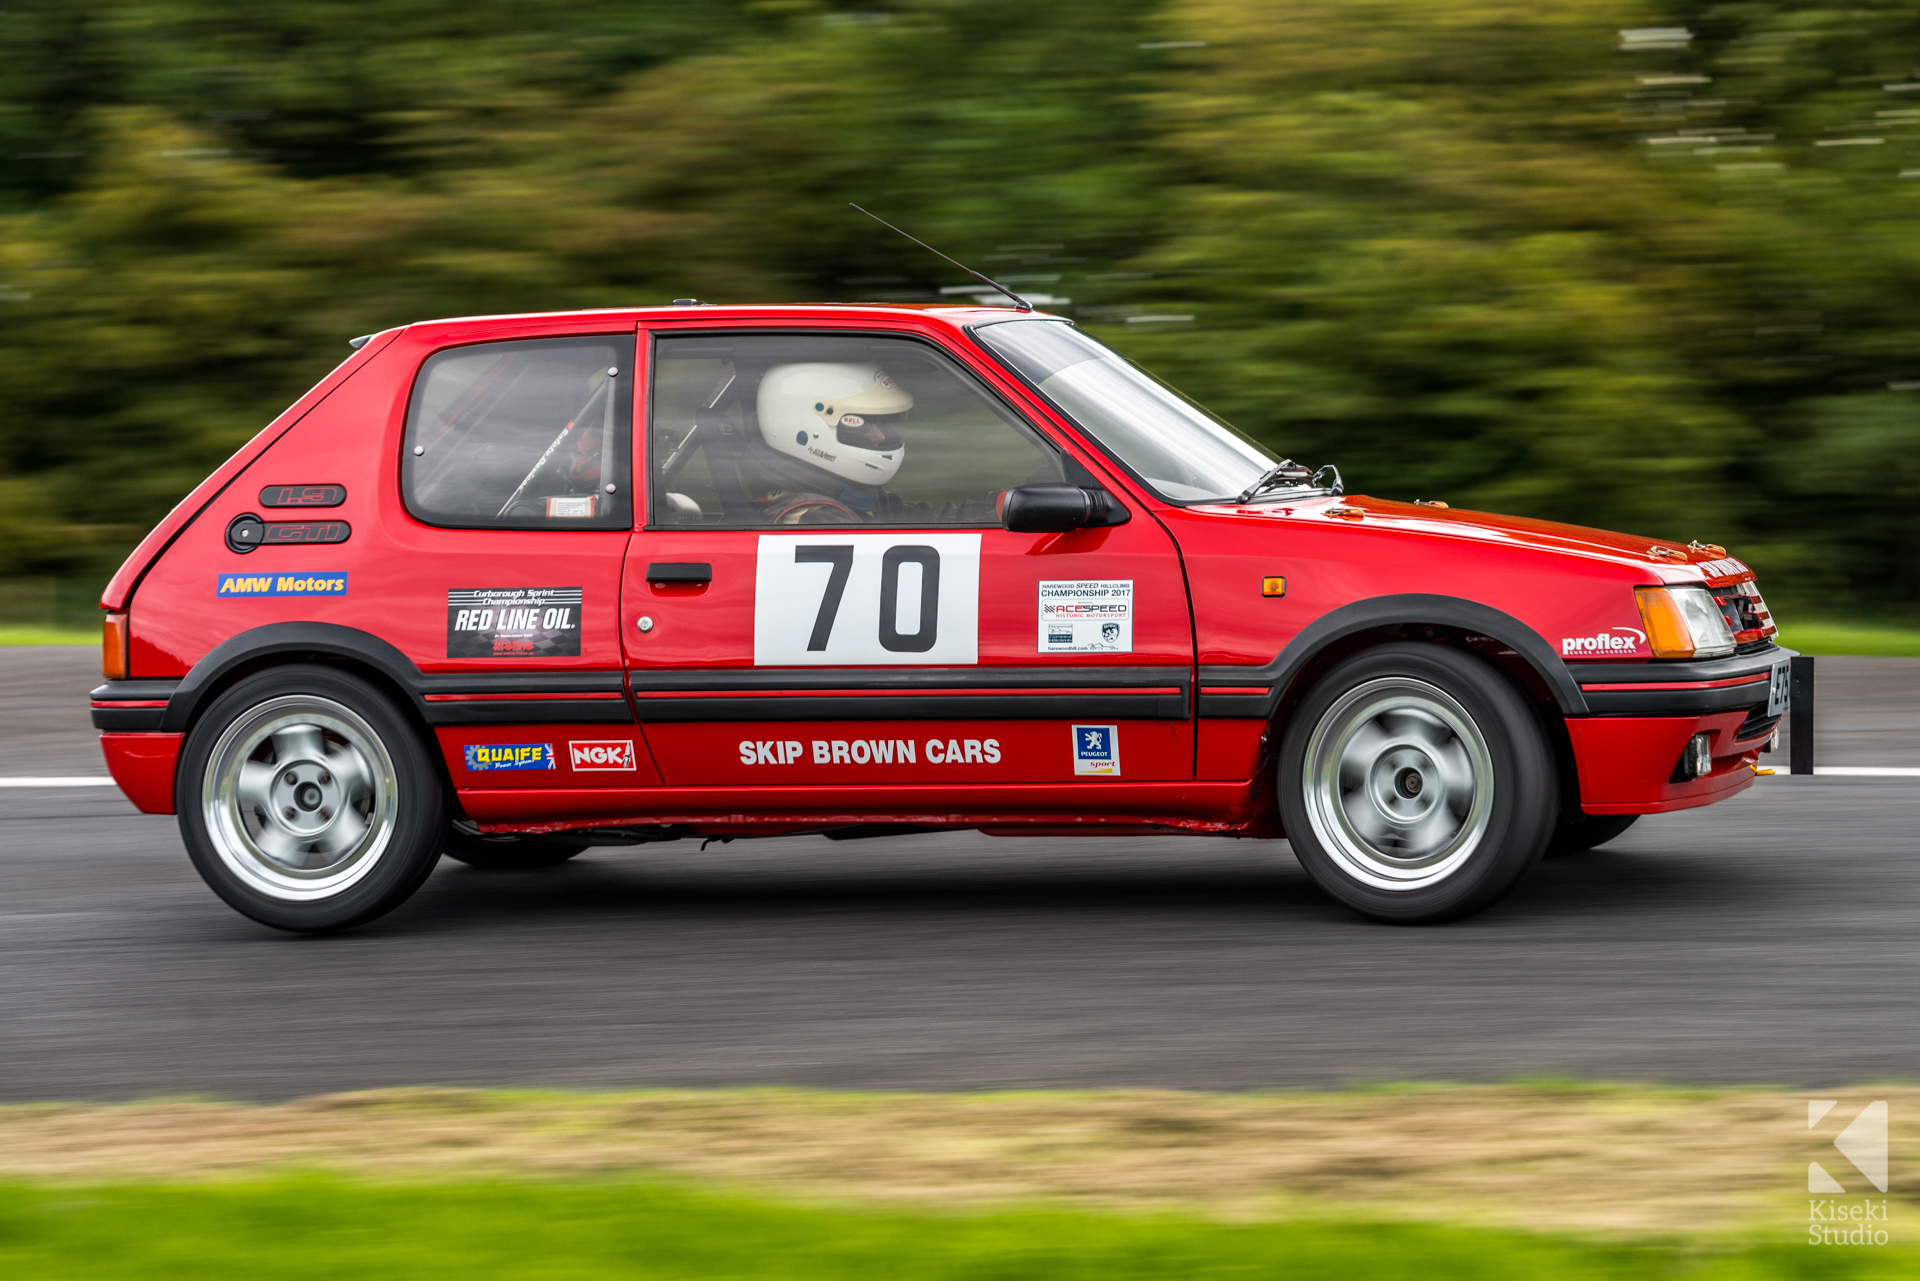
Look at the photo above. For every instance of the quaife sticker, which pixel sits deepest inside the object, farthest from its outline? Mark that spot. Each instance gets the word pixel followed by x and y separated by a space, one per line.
pixel 1090 617
pixel 606 754
pixel 513 622
pixel 301 584
pixel 488 756
pixel 1096 749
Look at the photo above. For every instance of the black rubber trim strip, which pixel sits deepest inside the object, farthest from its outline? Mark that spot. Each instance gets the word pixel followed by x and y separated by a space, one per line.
pixel 916 707
pixel 907 694
pixel 903 679
pixel 519 683
pixel 1375 613
pixel 128 719
pixel 532 711
pixel 133 690
pixel 1678 702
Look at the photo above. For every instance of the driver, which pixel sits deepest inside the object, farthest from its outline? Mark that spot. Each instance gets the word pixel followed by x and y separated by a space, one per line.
pixel 833 432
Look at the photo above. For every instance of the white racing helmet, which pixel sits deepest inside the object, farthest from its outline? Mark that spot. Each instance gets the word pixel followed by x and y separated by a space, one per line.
pixel 837 417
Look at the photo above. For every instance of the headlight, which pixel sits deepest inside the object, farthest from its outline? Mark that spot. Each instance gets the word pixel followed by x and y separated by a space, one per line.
pixel 1684 622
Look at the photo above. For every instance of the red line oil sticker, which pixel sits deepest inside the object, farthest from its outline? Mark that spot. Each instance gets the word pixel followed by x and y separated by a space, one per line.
pixel 513 622
pixel 1087 617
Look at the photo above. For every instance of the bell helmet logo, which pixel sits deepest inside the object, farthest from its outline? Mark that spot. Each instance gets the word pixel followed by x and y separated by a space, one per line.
pixel 1863 1142
pixel 1615 640
pixel 614 754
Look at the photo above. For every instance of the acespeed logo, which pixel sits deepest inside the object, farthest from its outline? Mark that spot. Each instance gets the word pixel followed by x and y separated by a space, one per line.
pixel 491 756
pixel 611 754
pixel 1855 1220
pixel 303 584
pixel 1611 641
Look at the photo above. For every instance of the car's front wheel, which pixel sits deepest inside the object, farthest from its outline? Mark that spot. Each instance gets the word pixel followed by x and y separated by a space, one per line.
pixel 307 800
pixel 1415 784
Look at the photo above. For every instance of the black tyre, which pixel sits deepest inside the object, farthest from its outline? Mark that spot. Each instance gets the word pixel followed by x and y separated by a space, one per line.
pixel 1415 784
pixel 1584 832
pixel 308 801
pixel 505 852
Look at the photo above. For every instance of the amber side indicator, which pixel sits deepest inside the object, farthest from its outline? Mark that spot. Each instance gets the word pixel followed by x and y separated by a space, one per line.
pixel 1274 586
pixel 1667 632
pixel 113 647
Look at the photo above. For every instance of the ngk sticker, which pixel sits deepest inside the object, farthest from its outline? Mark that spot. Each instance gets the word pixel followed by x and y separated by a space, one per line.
pixel 1623 641
pixel 612 754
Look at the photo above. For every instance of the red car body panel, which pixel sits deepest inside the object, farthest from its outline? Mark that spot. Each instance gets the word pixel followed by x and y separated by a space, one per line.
pixel 678 724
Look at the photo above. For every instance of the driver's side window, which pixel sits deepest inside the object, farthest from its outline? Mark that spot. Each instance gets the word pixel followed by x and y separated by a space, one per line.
pixel 754 430
pixel 522 435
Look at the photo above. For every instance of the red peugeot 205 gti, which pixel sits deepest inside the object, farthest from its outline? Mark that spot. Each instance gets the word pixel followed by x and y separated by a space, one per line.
pixel 508 587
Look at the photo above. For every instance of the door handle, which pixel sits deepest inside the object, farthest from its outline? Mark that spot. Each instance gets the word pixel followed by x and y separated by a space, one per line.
pixel 680 571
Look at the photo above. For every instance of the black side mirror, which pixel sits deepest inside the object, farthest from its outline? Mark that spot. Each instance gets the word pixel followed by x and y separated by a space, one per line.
pixel 1055 509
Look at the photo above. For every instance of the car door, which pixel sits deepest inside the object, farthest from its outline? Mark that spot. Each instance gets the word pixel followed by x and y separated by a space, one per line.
pixel 823 598
pixel 516 510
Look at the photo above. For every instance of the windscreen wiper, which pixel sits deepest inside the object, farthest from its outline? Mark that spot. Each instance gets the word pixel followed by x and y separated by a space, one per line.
pixel 1284 470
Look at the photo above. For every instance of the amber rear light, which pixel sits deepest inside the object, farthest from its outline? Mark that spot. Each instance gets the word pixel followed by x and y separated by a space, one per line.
pixel 1667 632
pixel 113 647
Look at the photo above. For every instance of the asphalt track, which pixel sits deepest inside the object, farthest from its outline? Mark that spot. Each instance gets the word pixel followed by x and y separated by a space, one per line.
pixel 1769 939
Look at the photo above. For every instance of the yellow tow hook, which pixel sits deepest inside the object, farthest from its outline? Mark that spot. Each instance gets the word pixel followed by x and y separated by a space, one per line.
pixel 1758 770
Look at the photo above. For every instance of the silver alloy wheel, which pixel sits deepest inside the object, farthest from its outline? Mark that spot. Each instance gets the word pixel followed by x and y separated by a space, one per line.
pixel 299 797
pixel 1398 783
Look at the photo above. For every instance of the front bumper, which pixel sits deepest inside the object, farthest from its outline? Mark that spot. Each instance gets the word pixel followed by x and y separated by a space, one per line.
pixel 1641 716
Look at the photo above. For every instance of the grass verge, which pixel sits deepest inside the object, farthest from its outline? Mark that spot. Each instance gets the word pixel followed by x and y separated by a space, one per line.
pixel 315 1227
pixel 46 636
pixel 1626 1161
pixel 1845 638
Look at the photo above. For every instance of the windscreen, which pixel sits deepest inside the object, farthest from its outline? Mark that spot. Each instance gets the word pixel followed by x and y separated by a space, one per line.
pixel 1182 451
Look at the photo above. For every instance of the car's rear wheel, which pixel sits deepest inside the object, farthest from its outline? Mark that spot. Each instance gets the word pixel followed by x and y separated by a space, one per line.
pixel 505 851
pixel 307 800
pixel 1588 831
pixel 1415 784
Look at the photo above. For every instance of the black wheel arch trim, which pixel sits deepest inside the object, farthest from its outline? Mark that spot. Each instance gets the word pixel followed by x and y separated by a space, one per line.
pixel 1378 613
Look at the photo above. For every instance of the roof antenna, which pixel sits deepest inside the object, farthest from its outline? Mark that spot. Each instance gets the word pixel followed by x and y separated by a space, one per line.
pixel 1018 301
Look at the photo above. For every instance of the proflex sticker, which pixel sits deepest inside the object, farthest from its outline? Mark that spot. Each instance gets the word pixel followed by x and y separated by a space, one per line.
pixel 513 622
pixel 1091 617
pixel 1096 749
pixel 488 756
pixel 301 584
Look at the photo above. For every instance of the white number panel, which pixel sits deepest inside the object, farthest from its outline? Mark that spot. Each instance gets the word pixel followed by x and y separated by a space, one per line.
pixel 832 599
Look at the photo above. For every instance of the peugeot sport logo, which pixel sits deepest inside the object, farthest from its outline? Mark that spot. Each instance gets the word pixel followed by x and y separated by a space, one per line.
pixel 1615 640
pixel 609 755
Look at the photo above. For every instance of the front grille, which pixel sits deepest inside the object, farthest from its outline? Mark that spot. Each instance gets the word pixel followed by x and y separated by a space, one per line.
pixel 1757 725
pixel 1754 646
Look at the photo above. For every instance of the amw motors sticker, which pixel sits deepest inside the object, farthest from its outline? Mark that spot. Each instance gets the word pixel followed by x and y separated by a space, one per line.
pixel 301 584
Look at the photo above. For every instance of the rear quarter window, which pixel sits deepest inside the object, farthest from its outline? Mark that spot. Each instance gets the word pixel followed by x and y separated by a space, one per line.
pixel 519 435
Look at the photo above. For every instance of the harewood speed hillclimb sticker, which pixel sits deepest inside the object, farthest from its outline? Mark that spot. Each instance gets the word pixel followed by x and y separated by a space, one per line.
pixel 1096 749
pixel 1093 617
pixel 489 756
pixel 513 622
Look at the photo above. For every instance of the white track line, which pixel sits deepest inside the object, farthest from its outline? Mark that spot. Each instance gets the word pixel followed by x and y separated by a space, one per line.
pixel 1869 771
pixel 67 781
